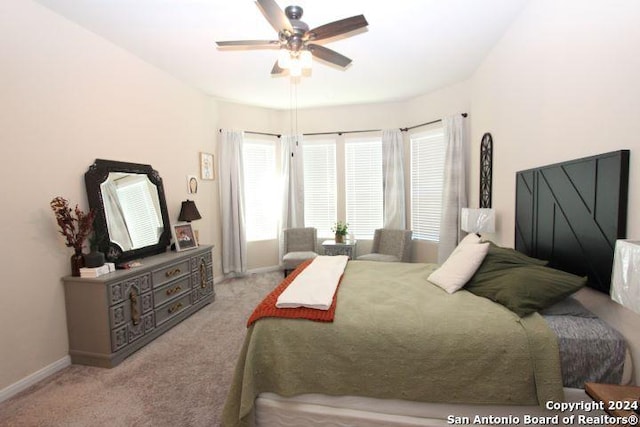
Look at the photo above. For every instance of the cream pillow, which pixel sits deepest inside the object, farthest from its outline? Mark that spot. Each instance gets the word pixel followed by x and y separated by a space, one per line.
pixel 470 238
pixel 456 271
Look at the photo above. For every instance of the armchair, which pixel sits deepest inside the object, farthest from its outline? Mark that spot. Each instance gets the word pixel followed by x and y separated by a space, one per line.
pixel 390 246
pixel 299 246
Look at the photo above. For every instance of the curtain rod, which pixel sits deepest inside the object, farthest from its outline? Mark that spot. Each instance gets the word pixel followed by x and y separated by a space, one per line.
pixel 376 130
pixel 350 131
pixel 427 123
pixel 259 133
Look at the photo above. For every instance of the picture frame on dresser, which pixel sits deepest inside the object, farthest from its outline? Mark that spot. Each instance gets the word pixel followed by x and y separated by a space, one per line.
pixel 184 236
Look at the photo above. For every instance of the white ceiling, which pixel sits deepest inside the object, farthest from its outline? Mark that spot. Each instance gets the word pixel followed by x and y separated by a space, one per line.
pixel 411 47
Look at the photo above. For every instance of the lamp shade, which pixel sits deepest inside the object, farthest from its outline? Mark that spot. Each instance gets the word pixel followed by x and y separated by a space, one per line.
pixel 625 277
pixel 188 211
pixel 478 220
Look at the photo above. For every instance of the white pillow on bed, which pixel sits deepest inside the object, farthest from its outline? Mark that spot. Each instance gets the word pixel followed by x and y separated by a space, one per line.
pixel 461 265
pixel 469 238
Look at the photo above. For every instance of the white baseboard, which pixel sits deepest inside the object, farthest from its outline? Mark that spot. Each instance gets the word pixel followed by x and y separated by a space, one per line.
pixel 26 382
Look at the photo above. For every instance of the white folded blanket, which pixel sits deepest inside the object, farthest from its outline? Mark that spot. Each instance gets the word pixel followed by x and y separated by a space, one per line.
pixel 315 286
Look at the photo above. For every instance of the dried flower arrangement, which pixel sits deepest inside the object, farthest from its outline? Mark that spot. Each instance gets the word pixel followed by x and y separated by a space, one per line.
pixel 75 229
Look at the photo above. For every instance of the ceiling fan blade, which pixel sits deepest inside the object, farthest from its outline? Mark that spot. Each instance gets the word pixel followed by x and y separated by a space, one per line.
pixel 276 69
pixel 274 15
pixel 337 28
pixel 249 43
pixel 329 55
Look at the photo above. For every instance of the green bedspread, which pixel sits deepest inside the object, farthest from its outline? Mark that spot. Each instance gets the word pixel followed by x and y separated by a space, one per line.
pixel 395 335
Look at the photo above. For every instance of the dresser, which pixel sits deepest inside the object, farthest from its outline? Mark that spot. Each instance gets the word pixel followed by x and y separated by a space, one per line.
pixel 114 315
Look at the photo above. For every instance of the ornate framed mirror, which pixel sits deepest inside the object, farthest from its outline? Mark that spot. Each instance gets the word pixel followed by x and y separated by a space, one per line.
pixel 131 210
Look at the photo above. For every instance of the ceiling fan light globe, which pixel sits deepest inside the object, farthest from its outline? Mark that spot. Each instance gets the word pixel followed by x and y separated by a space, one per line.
pixel 305 59
pixel 296 68
pixel 284 59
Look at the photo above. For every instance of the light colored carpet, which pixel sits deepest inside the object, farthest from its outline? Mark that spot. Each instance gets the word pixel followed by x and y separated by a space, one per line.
pixel 180 379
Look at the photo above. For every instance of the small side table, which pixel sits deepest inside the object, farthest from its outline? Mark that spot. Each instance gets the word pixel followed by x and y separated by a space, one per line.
pixel 332 248
pixel 615 398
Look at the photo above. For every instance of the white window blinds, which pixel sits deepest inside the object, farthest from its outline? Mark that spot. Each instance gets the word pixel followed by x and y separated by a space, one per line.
pixel 139 211
pixel 363 182
pixel 427 170
pixel 320 205
pixel 261 189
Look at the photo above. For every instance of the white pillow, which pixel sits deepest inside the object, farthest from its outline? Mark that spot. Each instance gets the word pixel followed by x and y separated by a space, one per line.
pixel 470 238
pixel 456 271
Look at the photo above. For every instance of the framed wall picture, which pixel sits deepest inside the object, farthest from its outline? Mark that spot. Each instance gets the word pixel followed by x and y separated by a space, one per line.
pixel 183 236
pixel 206 166
pixel 192 184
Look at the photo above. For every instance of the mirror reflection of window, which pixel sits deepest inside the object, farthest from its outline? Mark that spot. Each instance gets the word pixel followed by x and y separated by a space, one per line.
pixel 132 210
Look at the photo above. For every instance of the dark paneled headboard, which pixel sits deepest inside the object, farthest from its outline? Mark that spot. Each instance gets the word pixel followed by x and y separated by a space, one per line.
pixel 571 214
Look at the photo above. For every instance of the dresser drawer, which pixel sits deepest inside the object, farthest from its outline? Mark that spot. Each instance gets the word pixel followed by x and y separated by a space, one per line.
pixel 171 291
pixel 121 313
pixel 202 276
pixel 200 292
pixel 119 291
pixel 129 332
pixel 205 258
pixel 172 308
pixel 172 272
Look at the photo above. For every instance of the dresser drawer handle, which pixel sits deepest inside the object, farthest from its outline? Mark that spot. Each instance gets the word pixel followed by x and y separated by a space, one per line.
pixel 173 272
pixel 135 313
pixel 174 290
pixel 175 308
pixel 203 274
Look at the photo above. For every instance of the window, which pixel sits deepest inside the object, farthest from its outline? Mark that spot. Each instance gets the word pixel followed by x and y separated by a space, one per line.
pixel 261 189
pixel 427 169
pixel 320 205
pixel 363 186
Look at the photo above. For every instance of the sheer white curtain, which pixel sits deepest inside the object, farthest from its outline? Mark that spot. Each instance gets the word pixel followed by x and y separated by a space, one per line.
pixel 115 218
pixel 292 185
pixel 454 193
pixel 234 241
pixel 393 179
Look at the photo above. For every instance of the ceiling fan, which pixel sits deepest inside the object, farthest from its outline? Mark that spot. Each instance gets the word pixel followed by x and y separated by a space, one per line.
pixel 297 43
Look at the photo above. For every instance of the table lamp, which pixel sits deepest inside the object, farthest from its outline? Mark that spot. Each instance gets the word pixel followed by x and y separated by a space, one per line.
pixel 625 277
pixel 188 211
pixel 478 220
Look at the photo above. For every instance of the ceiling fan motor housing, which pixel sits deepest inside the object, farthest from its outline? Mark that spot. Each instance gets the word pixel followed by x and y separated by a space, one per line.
pixel 294 41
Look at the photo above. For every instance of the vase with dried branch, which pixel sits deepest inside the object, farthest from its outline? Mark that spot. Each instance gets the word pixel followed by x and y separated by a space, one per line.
pixel 75 226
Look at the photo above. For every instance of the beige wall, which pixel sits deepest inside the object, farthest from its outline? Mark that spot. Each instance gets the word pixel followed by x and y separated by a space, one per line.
pixel 561 84
pixel 68 97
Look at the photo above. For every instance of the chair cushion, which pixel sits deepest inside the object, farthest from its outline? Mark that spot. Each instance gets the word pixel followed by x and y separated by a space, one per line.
pixel 379 257
pixel 291 259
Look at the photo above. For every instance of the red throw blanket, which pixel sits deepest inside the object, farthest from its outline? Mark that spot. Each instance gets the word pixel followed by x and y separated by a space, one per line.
pixel 267 308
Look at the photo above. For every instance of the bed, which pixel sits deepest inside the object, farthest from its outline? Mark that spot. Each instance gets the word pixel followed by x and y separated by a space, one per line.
pixel 402 352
